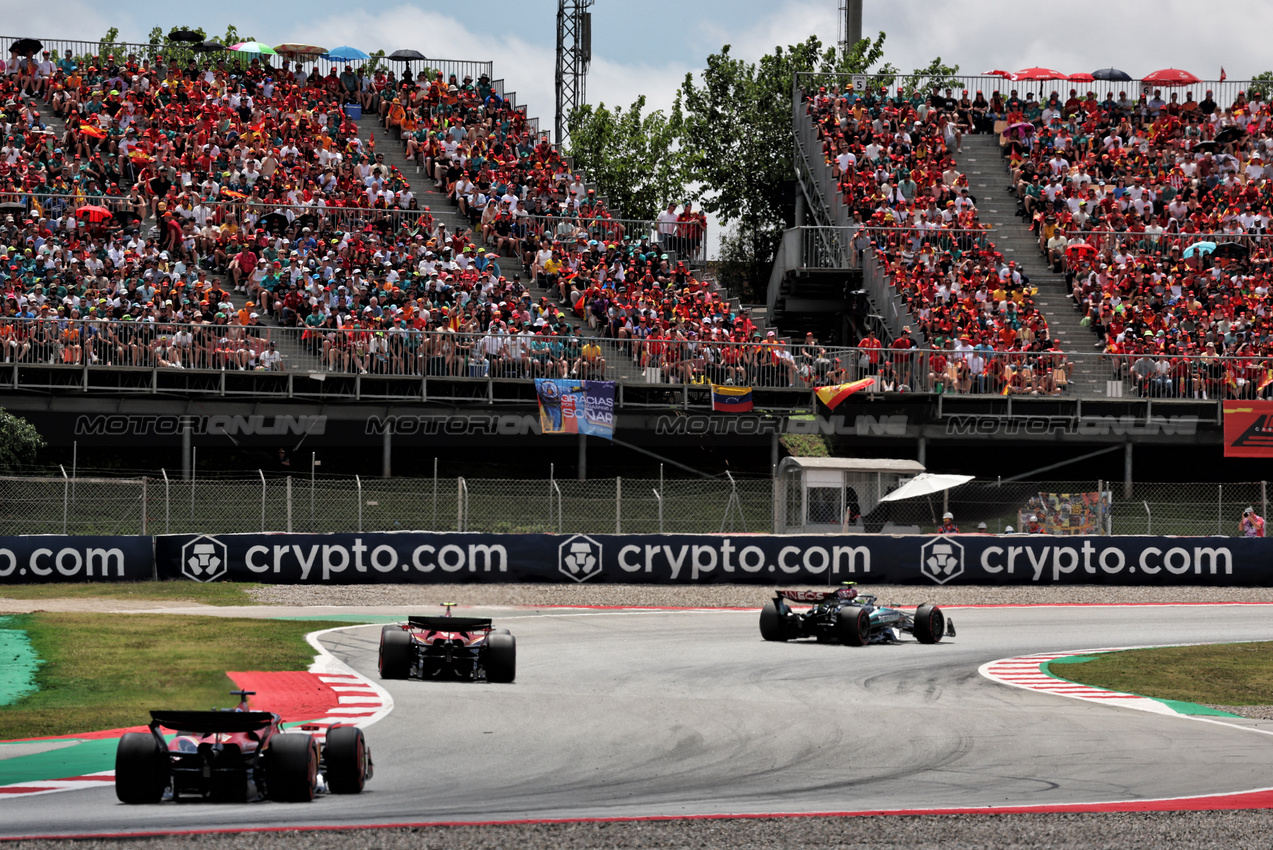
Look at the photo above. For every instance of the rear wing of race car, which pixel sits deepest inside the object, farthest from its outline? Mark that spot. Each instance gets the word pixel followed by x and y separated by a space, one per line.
pixel 807 595
pixel 450 624
pixel 212 722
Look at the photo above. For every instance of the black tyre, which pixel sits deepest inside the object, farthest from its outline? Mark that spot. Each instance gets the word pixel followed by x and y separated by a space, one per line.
pixel 772 626
pixel 141 769
pixel 853 626
pixel 395 653
pixel 501 658
pixel 930 624
pixel 291 768
pixel 500 632
pixel 346 757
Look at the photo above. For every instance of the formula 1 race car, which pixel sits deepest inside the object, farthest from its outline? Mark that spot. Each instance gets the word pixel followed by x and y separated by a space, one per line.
pixel 849 617
pixel 237 755
pixel 446 647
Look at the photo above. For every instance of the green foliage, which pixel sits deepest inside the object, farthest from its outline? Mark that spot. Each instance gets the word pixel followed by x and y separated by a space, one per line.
pixel 19 442
pixel 635 159
pixel 111 35
pixel 737 137
pixel 745 261
pixel 1262 84
pixel 805 445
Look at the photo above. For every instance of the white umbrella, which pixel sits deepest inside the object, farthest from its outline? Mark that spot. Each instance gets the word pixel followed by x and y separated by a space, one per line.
pixel 924 484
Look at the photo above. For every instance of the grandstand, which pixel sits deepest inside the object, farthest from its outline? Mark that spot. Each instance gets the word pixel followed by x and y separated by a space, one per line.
pixel 1057 256
pixel 221 229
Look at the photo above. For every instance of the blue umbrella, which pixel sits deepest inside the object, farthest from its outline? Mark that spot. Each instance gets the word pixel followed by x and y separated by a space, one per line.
pixel 345 54
pixel 1200 248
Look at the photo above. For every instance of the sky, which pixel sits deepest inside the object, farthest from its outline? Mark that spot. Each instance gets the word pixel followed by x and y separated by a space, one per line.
pixel 647 47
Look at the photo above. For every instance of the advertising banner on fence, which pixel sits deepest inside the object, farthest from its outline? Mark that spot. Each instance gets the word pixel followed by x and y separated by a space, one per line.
pixel 1248 429
pixel 56 558
pixel 419 557
pixel 576 407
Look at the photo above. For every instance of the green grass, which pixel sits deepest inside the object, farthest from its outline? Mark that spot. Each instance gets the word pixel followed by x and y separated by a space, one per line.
pixel 105 671
pixel 214 593
pixel 1219 674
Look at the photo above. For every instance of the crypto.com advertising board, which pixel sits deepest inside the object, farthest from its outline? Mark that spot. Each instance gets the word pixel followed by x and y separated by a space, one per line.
pixel 418 557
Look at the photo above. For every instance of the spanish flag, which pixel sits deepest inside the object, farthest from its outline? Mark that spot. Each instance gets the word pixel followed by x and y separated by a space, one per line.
pixel 832 396
pixel 90 130
pixel 731 399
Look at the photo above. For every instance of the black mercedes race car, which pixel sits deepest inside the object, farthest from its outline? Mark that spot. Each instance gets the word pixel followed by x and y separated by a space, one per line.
pixel 237 755
pixel 446 647
pixel 849 617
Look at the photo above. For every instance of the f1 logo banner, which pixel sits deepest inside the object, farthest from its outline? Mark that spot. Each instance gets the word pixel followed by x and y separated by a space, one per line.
pixel 952 559
pixel 65 559
pixel 1248 429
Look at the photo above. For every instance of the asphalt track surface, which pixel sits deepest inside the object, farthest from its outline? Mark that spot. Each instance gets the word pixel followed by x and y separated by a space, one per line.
pixel 671 713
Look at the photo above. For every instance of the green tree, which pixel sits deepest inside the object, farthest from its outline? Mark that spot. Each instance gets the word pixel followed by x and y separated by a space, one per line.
pixel 635 159
pixel 737 138
pixel 19 442
pixel 1261 84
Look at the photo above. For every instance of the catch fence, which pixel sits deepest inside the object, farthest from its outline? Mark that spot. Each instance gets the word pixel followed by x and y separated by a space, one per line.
pixel 303 503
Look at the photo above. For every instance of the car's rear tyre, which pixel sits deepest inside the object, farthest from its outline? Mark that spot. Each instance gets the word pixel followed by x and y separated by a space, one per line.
pixel 853 626
pixel 291 768
pixel 500 632
pixel 501 658
pixel 930 624
pixel 346 756
pixel 772 626
pixel 395 653
pixel 141 769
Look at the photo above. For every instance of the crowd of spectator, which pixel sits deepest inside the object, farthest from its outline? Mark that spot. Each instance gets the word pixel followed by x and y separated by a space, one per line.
pixel 1158 211
pixel 898 183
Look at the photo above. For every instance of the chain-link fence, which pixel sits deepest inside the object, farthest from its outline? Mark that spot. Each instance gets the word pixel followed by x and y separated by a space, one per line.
pixel 165 505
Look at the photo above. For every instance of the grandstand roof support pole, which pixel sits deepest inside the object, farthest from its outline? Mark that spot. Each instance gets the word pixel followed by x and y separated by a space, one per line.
pixel 1127 469
pixel 583 457
pixel 386 453
pixel 921 452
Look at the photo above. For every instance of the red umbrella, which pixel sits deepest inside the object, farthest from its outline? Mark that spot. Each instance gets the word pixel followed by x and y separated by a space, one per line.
pixel 1038 74
pixel 1171 77
pixel 1082 77
pixel 94 214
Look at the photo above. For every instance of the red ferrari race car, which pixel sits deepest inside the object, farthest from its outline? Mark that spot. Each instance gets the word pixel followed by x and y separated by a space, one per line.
pixel 237 755
pixel 446 647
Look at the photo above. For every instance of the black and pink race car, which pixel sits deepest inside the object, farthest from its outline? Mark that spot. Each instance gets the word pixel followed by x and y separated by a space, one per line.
pixel 446 647
pixel 846 616
pixel 238 755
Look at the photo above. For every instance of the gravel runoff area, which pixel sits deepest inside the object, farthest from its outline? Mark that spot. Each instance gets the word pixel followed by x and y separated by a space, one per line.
pixel 1198 830
pixel 726 595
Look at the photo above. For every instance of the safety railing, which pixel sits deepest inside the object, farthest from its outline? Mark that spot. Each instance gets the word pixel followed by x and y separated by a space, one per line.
pixel 1224 92
pixel 81 49
pixel 67 353
pixel 71 504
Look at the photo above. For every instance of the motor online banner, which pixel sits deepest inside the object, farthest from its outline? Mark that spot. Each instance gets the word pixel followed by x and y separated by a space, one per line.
pixel 422 557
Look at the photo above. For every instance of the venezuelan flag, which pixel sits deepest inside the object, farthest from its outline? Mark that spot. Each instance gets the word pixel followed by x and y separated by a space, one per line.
pixel 833 395
pixel 731 399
